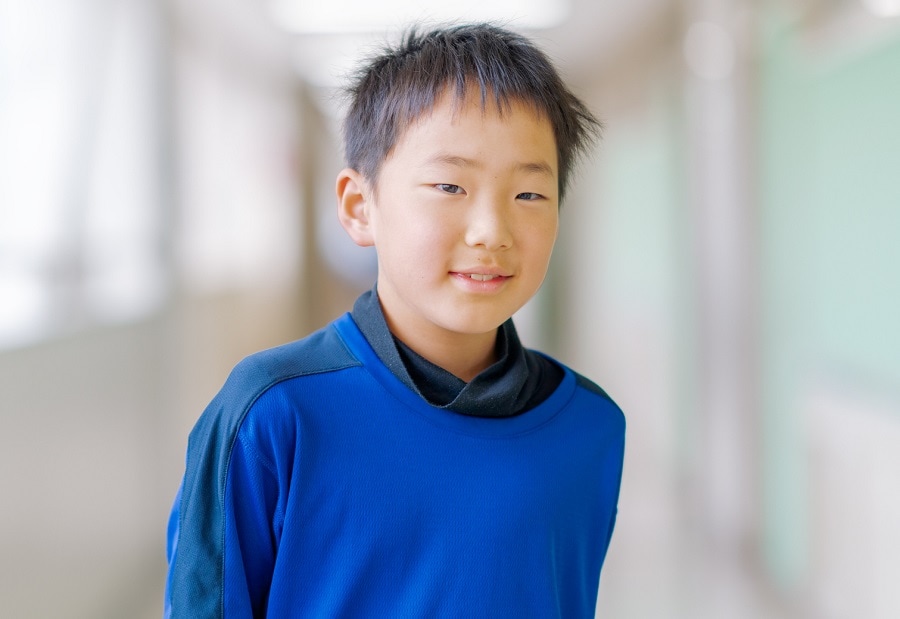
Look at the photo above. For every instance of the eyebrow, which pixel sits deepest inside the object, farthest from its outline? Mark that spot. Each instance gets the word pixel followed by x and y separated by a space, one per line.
pixel 531 167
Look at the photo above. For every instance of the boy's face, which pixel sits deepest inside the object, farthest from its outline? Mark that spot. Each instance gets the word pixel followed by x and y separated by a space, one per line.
pixel 464 218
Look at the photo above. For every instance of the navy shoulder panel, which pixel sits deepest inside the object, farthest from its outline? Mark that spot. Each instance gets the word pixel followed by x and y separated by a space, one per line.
pixel 198 568
pixel 586 383
pixel 323 351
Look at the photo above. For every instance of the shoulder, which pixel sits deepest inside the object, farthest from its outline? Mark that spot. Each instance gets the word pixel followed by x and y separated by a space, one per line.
pixel 319 352
pixel 582 382
pixel 598 398
pixel 588 394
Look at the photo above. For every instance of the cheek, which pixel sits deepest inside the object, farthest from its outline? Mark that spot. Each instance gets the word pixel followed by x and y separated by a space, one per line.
pixel 542 237
pixel 425 235
pixel 413 248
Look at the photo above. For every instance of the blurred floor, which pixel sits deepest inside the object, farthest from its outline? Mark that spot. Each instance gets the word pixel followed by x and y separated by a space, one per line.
pixel 660 563
pixel 670 574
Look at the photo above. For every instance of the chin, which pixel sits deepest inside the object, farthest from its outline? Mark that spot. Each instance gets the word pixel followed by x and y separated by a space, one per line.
pixel 477 325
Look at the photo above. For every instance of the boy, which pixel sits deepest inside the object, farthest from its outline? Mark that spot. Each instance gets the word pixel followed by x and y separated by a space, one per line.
pixel 412 459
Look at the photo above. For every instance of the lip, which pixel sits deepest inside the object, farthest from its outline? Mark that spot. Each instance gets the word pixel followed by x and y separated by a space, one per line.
pixel 495 271
pixel 495 283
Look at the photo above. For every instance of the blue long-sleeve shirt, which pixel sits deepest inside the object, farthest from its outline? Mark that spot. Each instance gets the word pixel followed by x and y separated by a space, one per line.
pixel 320 485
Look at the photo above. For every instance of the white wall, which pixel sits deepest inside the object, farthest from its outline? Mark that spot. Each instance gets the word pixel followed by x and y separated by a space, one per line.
pixel 95 427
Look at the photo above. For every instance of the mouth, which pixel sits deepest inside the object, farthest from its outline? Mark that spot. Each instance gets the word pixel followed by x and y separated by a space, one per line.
pixel 481 279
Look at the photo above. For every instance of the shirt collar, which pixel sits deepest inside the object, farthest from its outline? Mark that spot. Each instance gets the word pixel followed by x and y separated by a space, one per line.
pixel 519 379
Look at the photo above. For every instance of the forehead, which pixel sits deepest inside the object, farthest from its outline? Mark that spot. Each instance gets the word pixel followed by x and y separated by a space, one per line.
pixel 476 120
pixel 456 102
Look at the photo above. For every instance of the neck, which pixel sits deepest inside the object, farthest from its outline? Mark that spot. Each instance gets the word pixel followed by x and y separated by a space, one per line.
pixel 463 355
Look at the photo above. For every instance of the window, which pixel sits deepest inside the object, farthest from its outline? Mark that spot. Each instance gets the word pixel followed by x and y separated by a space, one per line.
pixel 80 171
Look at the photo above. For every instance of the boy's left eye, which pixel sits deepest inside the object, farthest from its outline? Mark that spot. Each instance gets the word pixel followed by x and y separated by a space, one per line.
pixel 529 195
pixel 448 188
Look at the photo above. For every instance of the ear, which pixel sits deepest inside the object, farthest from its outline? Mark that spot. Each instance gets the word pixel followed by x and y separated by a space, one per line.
pixel 353 202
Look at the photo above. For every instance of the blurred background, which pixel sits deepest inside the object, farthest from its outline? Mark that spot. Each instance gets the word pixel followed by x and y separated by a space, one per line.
pixel 728 269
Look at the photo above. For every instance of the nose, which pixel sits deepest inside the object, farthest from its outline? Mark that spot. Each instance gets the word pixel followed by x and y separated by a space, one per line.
pixel 489 226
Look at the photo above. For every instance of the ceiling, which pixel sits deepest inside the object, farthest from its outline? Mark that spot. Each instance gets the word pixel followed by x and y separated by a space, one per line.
pixel 594 36
pixel 593 32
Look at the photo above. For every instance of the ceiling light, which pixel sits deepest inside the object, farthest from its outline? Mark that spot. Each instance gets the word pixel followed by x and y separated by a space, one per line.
pixel 344 16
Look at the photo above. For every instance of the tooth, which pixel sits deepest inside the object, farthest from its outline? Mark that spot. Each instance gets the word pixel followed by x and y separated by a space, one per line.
pixel 481 278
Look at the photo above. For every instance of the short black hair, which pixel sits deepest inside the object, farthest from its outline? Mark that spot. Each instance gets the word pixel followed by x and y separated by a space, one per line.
pixel 399 84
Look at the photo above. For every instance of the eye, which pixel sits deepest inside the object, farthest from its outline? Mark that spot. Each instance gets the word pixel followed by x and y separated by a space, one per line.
pixel 529 195
pixel 451 189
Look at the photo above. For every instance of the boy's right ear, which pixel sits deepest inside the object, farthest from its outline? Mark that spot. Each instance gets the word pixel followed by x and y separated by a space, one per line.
pixel 353 206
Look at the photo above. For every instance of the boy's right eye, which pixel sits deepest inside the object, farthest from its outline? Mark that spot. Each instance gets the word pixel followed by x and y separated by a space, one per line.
pixel 448 188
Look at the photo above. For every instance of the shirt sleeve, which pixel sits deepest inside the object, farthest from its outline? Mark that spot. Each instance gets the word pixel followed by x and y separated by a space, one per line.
pixel 241 582
pixel 251 497
pixel 613 480
pixel 225 524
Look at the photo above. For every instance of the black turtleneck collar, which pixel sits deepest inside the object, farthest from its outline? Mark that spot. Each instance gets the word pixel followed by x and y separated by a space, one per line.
pixel 519 380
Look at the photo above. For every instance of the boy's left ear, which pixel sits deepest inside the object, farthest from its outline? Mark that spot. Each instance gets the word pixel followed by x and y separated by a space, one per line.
pixel 353 206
